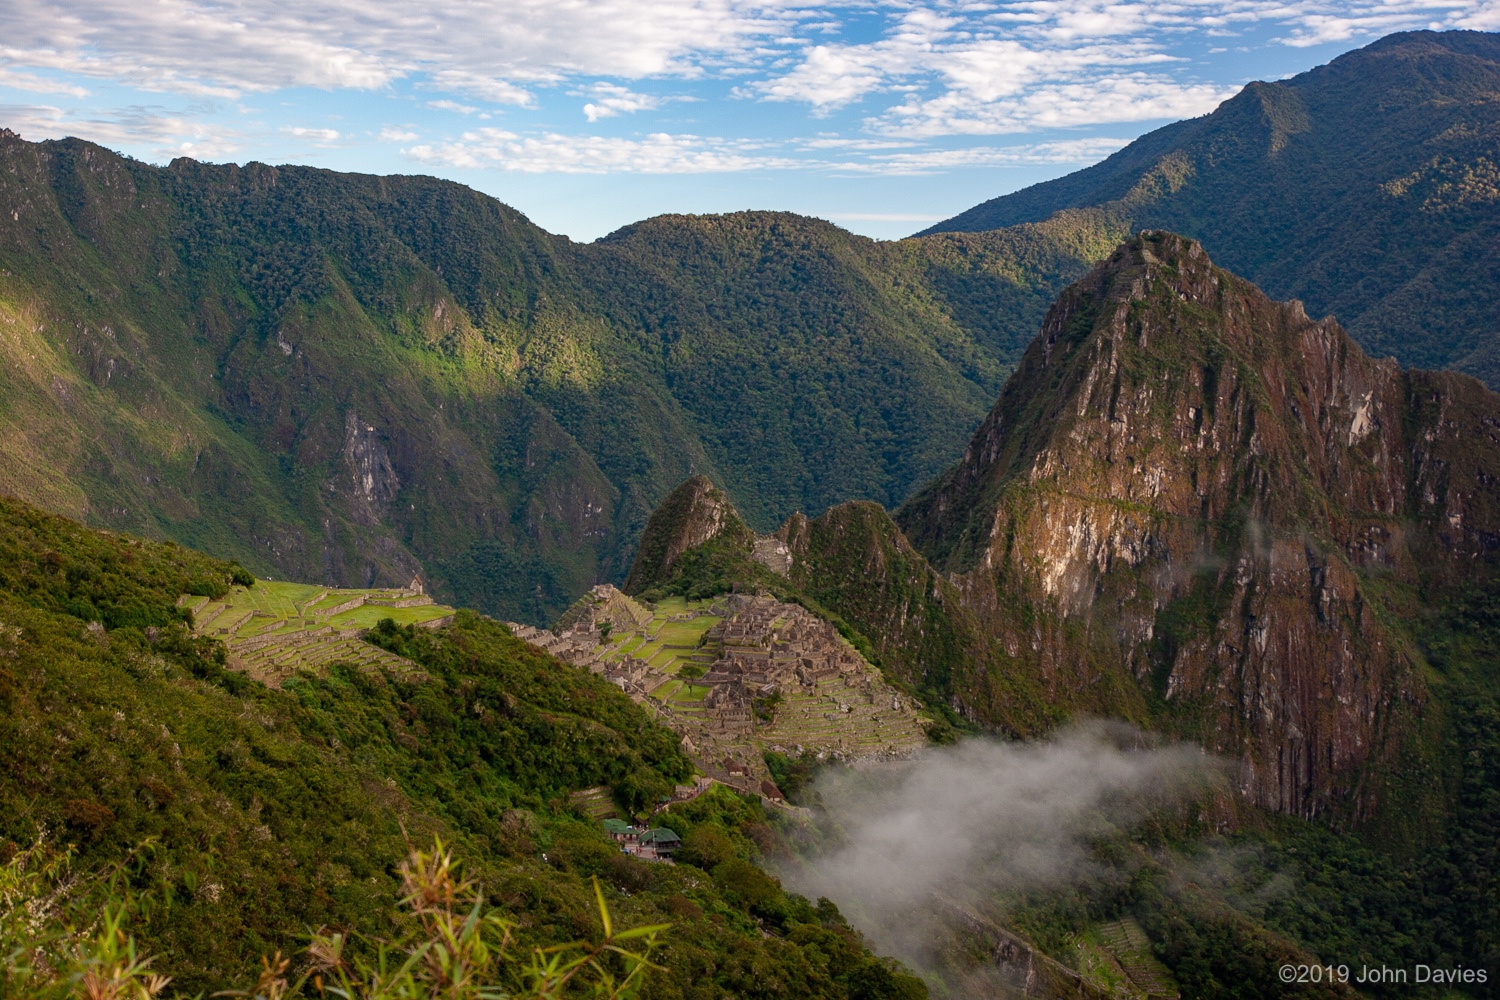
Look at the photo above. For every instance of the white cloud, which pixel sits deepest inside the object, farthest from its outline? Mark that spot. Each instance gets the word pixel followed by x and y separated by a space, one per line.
pixel 454 106
pixel 969 69
pixel 934 69
pixel 320 134
pixel 1324 23
pixel 1481 17
pixel 165 135
pixel 489 50
pixel 1071 151
pixel 1089 101
pixel 610 99
pixel 493 148
pixel 589 154
pixel 484 86
pixel 17 80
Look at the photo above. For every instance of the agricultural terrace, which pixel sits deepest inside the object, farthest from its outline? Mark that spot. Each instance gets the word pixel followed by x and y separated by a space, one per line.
pixel 274 629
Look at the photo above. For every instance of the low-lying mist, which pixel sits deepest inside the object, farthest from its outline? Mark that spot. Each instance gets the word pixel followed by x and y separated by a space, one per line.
pixel 981 819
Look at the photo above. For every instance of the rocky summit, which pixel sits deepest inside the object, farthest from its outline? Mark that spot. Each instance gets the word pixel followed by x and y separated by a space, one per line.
pixel 1228 500
pixel 1191 507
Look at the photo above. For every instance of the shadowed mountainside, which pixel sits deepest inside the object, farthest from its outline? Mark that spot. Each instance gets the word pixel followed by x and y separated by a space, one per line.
pixel 353 379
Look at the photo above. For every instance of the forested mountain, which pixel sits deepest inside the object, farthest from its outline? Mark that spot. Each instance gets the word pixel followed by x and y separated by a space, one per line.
pixel 356 379
pixel 1191 505
pixel 238 818
pixel 1367 188
pixel 1201 511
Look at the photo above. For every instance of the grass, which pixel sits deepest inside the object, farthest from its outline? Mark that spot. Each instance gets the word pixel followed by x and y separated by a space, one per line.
pixel 285 612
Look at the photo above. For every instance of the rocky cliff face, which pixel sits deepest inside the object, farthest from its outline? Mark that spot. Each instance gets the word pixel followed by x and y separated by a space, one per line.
pixel 1206 490
pixel 1192 507
pixel 692 515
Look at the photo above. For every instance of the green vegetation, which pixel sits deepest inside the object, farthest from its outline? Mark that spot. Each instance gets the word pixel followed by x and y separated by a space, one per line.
pixel 448 946
pixel 1400 867
pixel 354 379
pixel 1384 227
pixel 274 630
pixel 235 818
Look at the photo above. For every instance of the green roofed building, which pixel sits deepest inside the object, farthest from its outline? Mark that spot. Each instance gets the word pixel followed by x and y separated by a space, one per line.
pixel 619 829
pixel 665 841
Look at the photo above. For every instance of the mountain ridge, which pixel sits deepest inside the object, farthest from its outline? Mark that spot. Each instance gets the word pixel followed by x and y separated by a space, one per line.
pixel 1390 226
pixel 354 379
pixel 1192 508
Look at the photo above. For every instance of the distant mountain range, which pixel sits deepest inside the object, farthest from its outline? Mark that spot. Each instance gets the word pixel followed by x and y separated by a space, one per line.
pixel 352 379
pixel 355 380
pixel 1368 188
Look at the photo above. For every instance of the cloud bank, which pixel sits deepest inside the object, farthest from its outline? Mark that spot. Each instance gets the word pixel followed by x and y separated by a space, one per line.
pixel 983 818
pixel 919 71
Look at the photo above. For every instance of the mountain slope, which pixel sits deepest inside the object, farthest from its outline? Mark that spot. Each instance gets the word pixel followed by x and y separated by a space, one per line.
pixel 1232 502
pixel 1392 226
pixel 1198 510
pixel 354 379
pixel 242 817
pixel 1191 507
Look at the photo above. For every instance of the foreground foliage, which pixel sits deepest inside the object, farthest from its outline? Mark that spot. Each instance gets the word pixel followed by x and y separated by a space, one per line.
pixel 54 944
pixel 235 817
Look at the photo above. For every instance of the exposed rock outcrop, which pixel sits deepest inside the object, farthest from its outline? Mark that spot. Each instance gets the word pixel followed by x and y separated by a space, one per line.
pixel 692 515
pixel 1193 508
pixel 1192 484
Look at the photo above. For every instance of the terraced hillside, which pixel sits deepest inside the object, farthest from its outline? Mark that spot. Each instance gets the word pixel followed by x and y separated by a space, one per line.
pixel 239 817
pixel 273 630
pixel 736 676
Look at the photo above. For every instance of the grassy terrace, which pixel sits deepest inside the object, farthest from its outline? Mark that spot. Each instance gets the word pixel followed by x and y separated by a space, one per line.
pixel 275 629
pixel 666 644
pixel 835 718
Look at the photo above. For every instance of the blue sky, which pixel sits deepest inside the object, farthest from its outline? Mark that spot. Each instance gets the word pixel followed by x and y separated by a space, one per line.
pixel 590 114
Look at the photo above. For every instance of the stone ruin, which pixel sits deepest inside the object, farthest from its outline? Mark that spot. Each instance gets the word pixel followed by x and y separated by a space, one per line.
pixel 579 634
pixel 832 701
pixel 767 646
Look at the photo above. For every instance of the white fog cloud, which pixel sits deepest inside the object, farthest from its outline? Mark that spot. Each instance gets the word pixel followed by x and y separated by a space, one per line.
pixel 983 818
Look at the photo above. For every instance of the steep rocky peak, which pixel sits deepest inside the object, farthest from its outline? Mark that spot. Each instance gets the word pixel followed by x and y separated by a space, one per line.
pixel 693 514
pixel 1195 483
pixel 1160 379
